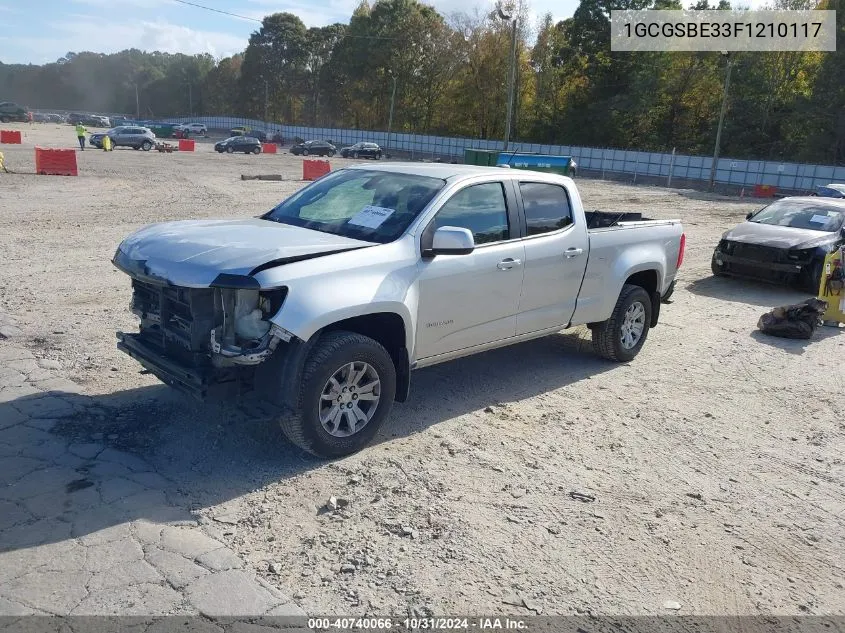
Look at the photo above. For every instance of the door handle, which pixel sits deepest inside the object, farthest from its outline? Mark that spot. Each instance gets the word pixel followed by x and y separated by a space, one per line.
pixel 507 264
pixel 573 252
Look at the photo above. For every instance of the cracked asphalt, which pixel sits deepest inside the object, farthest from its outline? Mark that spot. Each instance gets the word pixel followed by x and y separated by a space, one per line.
pixel 86 529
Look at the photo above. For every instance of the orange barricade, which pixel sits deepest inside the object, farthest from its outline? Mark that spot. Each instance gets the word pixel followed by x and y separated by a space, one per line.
pixel 313 169
pixel 55 162
pixel 186 145
pixel 268 148
pixel 764 191
pixel 12 137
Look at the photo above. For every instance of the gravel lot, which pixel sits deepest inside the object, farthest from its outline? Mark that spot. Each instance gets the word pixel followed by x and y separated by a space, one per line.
pixel 706 475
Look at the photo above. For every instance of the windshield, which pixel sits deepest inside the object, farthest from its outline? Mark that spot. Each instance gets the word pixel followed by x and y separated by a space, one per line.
pixel 801 215
pixel 362 204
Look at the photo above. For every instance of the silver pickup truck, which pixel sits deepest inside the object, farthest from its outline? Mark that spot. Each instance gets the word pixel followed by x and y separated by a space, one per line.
pixel 322 306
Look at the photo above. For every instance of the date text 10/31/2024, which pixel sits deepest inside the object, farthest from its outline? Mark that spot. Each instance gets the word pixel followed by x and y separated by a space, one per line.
pixel 417 624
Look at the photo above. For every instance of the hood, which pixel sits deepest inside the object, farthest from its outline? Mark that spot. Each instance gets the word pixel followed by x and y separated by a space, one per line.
pixel 193 253
pixel 779 236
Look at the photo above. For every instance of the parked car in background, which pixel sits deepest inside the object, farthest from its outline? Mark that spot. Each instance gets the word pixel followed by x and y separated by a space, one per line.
pixel 362 150
pixel 195 128
pixel 245 144
pixel 56 118
pixel 832 190
pixel 313 148
pixel 261 135
pixel 786 241
pixel 10 111
pixel 125 136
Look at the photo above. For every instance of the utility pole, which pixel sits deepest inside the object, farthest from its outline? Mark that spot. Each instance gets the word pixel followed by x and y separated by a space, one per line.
pixel 392 103
pixel 511 71
pixel 721 122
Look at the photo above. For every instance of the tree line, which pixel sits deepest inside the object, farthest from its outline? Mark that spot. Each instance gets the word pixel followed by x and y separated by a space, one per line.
pixel 449 77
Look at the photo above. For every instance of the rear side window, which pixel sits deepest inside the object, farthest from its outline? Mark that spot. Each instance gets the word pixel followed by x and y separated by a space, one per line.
pixel 547 207
pixel 481 209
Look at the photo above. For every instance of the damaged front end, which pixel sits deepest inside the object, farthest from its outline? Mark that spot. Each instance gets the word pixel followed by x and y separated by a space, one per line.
pixel 204 341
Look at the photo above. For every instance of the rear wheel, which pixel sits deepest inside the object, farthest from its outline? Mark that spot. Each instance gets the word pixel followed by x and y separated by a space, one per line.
pixel 347 391
pixel 378 155
pixel 146 146
pixel 355 155
pixel 4 119
pixel 331 153
pixel 622 336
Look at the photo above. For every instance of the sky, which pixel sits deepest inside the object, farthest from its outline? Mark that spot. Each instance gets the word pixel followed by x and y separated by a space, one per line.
pixel 40 31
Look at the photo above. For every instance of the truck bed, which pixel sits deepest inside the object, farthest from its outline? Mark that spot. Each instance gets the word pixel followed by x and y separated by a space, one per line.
pixel 606 219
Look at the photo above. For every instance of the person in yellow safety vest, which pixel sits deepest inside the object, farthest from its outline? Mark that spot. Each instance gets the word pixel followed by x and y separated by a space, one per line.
pixel 80 135
pixel 107 143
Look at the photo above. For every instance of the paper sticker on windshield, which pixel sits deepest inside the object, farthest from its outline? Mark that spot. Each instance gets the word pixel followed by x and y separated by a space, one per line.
pixel 821 219
pixel 371 217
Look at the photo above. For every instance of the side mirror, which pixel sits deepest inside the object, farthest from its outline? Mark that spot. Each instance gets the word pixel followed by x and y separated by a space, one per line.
pixel 749 215
pixel 451 240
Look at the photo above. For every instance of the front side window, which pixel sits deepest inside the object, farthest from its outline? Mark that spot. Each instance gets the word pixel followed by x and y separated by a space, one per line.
pixel 546 207
pixel 369 205
pixel 481 209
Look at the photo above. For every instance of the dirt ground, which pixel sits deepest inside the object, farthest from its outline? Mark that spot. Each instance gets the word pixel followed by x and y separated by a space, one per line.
pixel 705 477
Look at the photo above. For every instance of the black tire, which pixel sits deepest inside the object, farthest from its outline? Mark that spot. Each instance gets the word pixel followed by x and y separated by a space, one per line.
pixel 811 278
pixel 146 146
pixel 306 152
pixel 332 153
pixel 607 336
pixel 331 352
pixel 230 150
pixel 355 155
pixel 378 155
pixel 256 150
pixel 715 268
pixel 4 119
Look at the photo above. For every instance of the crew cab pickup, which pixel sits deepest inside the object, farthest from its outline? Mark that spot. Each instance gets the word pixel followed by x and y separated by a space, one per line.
pixel 323 305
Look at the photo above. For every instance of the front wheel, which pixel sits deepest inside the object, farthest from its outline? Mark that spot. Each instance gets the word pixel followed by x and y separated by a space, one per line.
pixel 306 152
pixel 716 267
pixel 378 156
pixel 4 119
pixel 256 150
pixel 347 391
pixel 230 149
pixel 622 336
pixel 331 153
pixel 146 146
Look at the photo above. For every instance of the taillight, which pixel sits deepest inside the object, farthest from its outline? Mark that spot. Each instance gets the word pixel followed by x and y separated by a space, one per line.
pixel 681 251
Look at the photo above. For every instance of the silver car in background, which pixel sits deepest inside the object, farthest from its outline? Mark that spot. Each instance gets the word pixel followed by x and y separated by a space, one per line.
pixel 132 136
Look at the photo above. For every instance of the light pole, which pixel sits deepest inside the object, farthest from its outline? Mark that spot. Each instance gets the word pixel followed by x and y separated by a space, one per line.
pixel 511 72
pixel 721 121
pixel 392 103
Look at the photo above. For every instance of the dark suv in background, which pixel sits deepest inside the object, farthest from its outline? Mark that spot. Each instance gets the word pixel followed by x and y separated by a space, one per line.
pixel 313 148
pixel 10 111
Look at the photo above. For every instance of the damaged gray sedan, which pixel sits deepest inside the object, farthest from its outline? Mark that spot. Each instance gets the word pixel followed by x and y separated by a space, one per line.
pixel 786 241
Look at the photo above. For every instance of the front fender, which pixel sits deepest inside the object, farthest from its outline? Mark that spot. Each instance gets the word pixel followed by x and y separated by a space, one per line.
pixel 315 303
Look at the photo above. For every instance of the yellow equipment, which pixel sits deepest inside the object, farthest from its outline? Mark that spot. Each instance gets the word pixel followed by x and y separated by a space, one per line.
pixel 832 287
pixel 3 164
pixel 106 143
